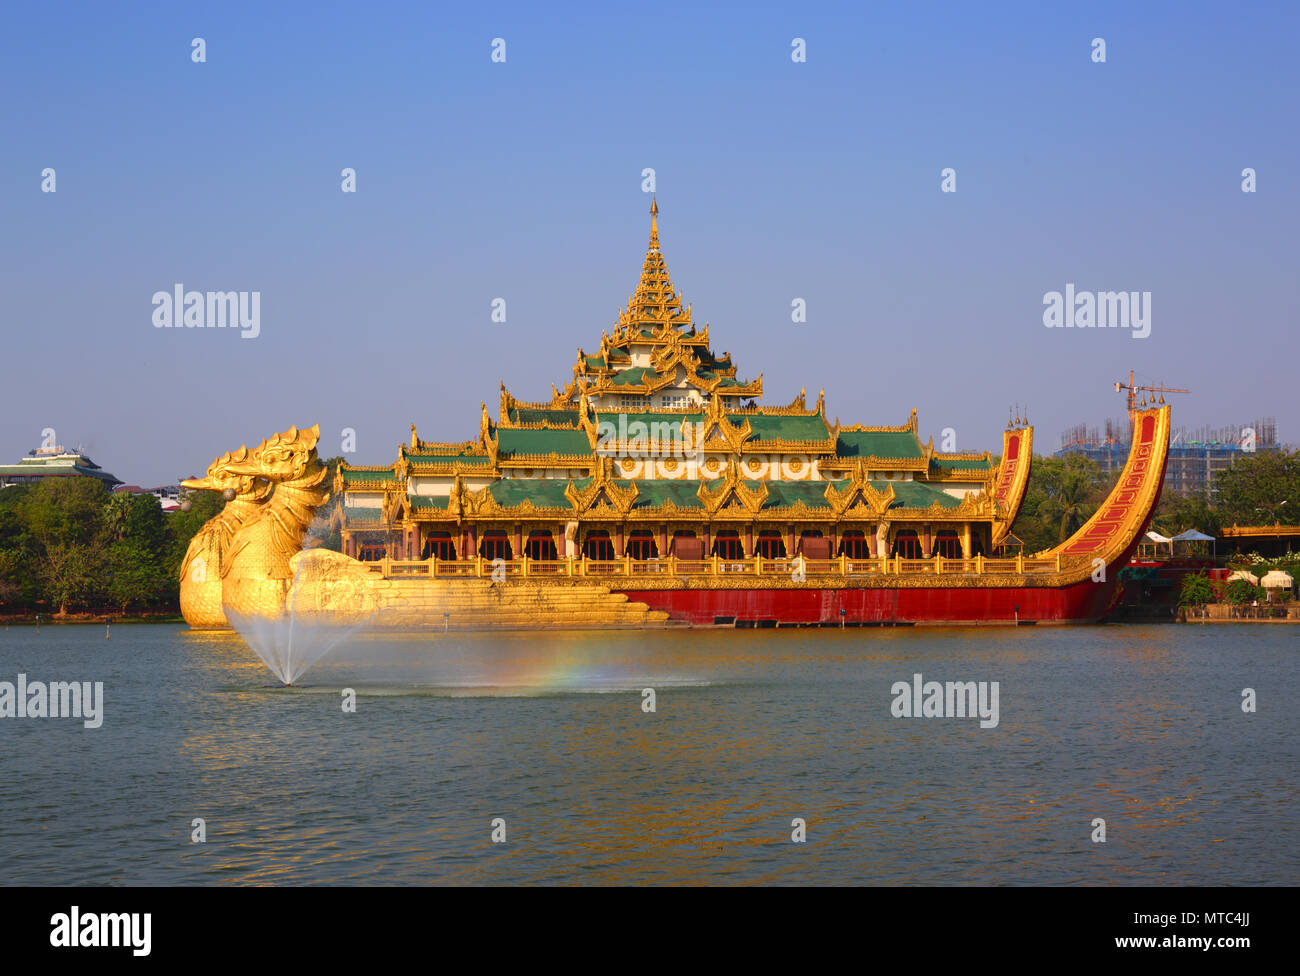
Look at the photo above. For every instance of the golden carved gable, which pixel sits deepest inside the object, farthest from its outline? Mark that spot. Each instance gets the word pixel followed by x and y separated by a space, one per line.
pixel 602 491
pixel 733 494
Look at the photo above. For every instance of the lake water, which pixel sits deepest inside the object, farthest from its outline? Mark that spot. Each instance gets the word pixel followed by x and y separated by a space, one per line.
pixel 1139 725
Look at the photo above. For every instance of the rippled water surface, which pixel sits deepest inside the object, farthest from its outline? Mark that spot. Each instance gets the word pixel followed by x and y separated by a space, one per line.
pixel 1141 726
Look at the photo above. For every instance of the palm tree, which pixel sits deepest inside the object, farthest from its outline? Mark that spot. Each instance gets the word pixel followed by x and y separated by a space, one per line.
pixel 1067 503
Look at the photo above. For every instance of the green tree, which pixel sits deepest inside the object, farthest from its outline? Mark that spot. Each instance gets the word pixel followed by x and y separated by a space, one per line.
pixel 11 578
pixel 1242 591
pixel 323 529
pixel 64 518
pixel 1062 494
pixel 70 574
pixel 1177 513
pixel 136 576
pixel 1260 489
pixel 1195 591
pixel 116 511
pixel 137 561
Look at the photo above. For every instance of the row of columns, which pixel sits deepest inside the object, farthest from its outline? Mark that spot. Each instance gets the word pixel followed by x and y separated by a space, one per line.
pixel 407 542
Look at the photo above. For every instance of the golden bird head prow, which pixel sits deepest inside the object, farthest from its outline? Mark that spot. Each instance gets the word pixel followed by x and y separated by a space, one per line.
pixel 222 477
pixel 288 456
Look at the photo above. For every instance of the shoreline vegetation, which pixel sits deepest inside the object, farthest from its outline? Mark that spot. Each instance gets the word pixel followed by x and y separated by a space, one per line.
pixel 73 551
pixel 26 619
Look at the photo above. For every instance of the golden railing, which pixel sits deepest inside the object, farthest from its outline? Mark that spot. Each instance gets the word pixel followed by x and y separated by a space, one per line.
pixel 758 566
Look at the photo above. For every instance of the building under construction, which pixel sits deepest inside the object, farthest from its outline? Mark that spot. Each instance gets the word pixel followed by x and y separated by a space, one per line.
pixel 1196 456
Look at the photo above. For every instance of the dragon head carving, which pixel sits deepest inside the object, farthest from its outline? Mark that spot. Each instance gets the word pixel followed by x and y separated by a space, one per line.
pixel 223 477
pixel 286 457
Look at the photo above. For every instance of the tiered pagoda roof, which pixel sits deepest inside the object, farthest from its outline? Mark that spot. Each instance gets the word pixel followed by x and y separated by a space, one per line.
pixel 553 457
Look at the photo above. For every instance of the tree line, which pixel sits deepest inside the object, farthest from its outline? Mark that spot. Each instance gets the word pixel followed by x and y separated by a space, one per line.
pixel 70 545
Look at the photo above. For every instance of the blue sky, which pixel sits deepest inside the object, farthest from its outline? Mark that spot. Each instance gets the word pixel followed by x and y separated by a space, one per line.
pixel 776 180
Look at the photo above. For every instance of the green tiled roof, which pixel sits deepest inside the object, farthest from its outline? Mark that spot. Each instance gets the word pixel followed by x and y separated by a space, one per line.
pixel 965 464
pixel 566 442
pixel 777 427
pixel 657 491
pixel 632 377
pixel 783 493
pixel 351 475
pixel 542 492
pixel 880 444
pixel 533 415
pixel 549 493
pixel 436 503
pixel 433 457
pixel 914 494
pixel 594 362
pixel 710 361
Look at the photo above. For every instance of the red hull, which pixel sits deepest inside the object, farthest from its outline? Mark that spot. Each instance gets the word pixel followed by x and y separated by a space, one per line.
pixel 1085 602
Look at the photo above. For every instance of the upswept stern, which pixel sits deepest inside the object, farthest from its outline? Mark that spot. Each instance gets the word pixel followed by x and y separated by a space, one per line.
pixel 1115 529
pixel 1012 479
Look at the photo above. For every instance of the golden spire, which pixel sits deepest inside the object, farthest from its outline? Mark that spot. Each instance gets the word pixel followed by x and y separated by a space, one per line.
pixel 655 300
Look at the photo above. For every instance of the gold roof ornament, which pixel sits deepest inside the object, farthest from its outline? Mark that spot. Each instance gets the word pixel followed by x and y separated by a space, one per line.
pixel 870 502
pixel 603 485
pixel 732 491
pixel 655 300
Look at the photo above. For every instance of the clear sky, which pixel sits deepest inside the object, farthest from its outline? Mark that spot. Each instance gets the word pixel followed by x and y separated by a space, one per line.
pixel 522 180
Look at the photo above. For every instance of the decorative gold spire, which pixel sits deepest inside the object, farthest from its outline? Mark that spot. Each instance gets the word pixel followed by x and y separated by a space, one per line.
pixel 655 300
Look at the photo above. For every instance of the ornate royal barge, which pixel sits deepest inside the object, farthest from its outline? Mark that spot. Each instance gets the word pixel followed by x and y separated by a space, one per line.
pixel 655 488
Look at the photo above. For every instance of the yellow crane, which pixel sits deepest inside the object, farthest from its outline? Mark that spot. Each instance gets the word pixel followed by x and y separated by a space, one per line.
pixel 1133 389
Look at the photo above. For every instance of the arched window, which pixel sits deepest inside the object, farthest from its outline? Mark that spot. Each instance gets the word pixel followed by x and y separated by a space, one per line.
pixel 907 544
pixel 947 545
pixel 726 545
pixel 540 545
pixel 641 545
pixel 597 545
pixel 439 546
pixel 495 545
pixel 770 545
pixel 853 544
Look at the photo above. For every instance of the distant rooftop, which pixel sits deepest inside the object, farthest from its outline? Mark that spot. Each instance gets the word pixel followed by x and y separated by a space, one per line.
pixel 53 462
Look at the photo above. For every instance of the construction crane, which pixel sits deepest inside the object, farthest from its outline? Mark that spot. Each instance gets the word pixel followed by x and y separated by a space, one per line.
pixel 1133 389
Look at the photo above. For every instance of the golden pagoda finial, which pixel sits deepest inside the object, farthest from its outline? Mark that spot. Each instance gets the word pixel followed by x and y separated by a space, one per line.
pixel 655 300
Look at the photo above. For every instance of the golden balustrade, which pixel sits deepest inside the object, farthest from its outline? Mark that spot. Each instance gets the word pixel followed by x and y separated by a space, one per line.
pixel 712 566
